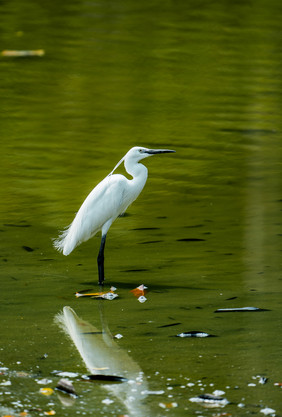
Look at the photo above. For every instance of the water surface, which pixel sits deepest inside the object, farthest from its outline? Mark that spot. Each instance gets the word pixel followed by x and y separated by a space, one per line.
pixel 203 79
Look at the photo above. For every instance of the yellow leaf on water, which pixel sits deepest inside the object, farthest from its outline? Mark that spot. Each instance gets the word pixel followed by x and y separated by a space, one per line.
pixel 95 294
pixel 46 391
pixel 50 413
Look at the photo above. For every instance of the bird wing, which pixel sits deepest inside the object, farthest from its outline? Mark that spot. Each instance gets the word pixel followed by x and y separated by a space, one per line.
pixel 104 204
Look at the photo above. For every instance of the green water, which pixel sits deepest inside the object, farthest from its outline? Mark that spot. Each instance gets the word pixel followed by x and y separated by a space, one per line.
pixel 203 78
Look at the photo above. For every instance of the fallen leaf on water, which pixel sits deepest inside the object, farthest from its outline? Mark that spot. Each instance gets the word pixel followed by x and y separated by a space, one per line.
pixel 46 391
pixel 89 294
pixel 50 413
pixel 107 295
pixel 139 291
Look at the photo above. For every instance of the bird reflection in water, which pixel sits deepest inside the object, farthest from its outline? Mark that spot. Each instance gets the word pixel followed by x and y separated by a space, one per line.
pixel 103 357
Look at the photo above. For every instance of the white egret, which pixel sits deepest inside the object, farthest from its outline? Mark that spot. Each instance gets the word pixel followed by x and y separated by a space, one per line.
pixel 108 200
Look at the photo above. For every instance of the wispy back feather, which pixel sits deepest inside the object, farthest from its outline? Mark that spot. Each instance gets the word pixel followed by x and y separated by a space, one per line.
pixel 60 242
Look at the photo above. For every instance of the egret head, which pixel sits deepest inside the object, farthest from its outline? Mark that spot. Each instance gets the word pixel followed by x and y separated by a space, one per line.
pixel 138 152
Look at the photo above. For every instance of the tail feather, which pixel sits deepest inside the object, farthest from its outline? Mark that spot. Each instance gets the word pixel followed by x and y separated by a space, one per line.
pixel 61 243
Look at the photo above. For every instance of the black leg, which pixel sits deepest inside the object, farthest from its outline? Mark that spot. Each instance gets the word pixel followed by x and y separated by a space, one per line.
pixel 100 260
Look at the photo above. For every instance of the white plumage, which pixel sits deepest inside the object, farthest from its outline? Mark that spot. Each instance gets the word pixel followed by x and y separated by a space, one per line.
pixel 108 200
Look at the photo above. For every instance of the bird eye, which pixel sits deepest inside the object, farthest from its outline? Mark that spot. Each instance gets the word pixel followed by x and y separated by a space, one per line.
pixel 140 150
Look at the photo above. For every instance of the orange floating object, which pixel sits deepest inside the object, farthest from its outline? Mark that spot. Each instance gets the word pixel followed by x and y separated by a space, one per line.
pixel 139 291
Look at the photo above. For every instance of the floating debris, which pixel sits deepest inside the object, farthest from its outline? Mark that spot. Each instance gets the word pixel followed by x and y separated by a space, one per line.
pixel 67 374
pixel 148 392
pixel 118 336
pixel 168 405
pixel 45 356
pixel 194 334
pixel 106 295
pixel 262 380
pixel 44 381
pixel 107 401
pixel 104 378
pixel 142 299
pixel 210 400
pixel 21 54
pixel 218 392
pixel 6 383
pixel 139 291
pixel 49 413
pixel 46 391
pixel 266 411
pixel 239 309
pixel 66 386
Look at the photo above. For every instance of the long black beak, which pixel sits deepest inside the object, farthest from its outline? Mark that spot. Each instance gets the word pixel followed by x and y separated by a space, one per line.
pixel 155 151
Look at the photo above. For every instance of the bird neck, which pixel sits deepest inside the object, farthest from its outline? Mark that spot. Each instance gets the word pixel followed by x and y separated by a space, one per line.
pixel 138 171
